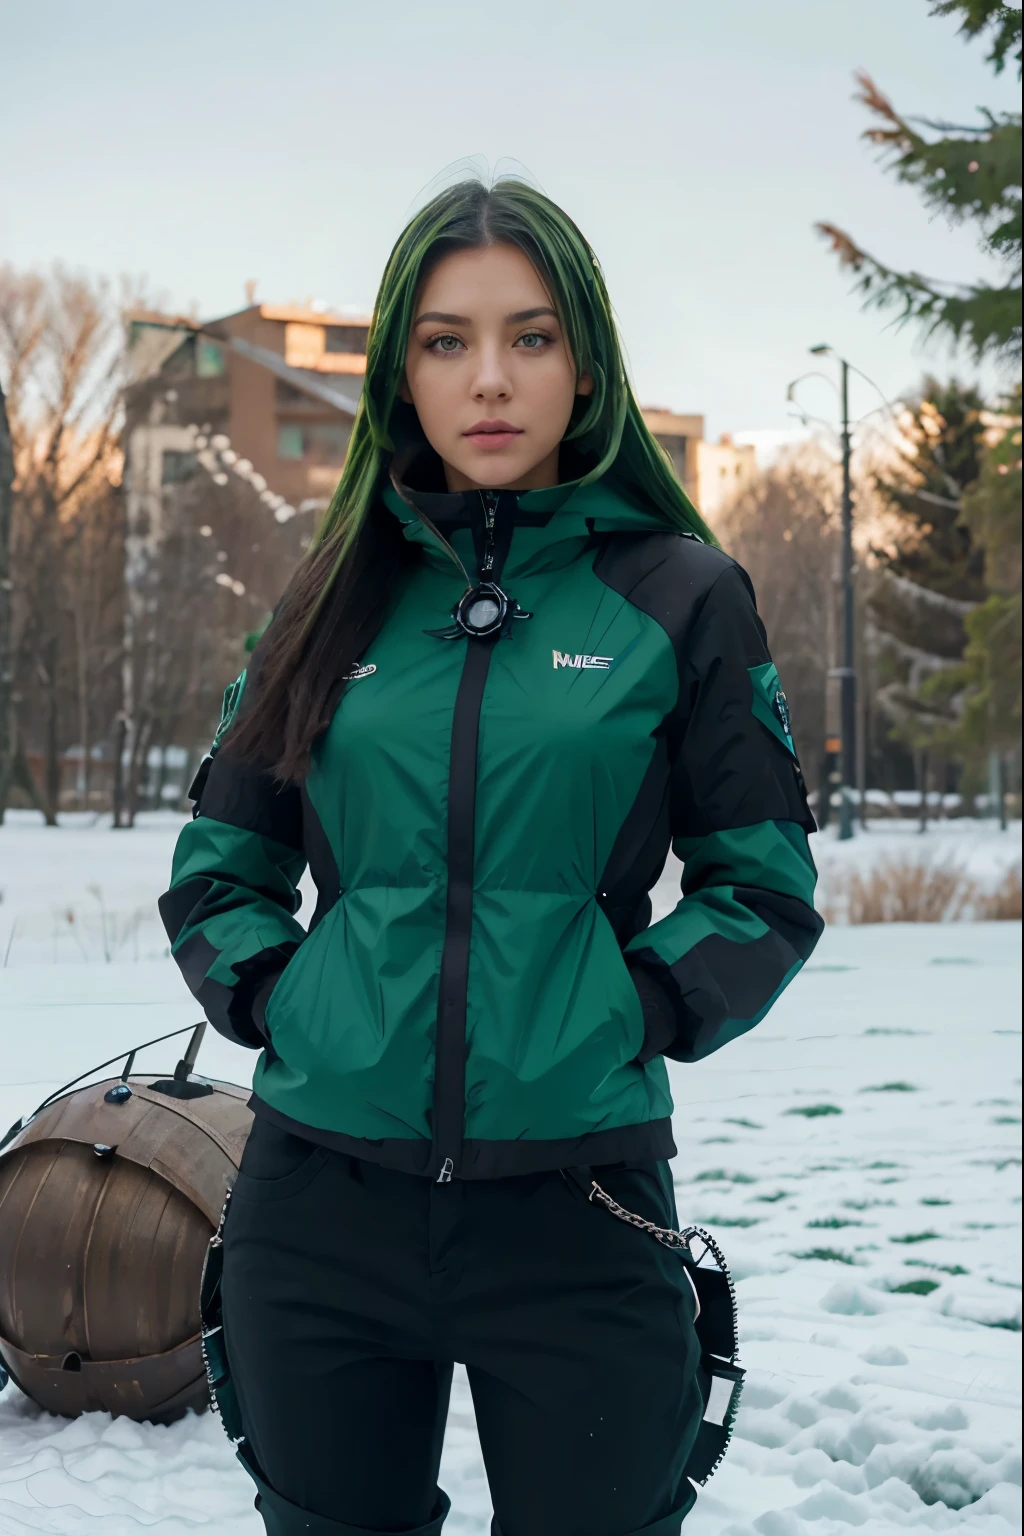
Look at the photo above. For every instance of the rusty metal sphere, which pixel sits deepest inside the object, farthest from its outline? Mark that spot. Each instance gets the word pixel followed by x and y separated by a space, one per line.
pixel 107 1203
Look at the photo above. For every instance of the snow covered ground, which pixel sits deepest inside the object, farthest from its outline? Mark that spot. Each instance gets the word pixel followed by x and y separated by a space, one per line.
pixel 858 1155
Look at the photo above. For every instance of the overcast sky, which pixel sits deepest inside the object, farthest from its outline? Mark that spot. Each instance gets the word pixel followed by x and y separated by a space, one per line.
pixel 695 142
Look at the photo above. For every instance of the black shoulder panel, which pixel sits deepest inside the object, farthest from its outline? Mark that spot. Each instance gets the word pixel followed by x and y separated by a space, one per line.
pixel 665 575
pixel 728 767
pixel 244 796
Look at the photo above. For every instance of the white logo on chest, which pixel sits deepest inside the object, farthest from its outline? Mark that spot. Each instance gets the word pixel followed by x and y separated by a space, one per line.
pixel 582 663
pixel 357 672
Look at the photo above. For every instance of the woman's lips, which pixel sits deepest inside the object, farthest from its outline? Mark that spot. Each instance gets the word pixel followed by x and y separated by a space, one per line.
pixel 491 435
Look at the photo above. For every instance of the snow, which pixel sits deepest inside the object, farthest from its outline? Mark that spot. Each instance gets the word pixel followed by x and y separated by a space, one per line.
pixel 865 1138
pixel 977 846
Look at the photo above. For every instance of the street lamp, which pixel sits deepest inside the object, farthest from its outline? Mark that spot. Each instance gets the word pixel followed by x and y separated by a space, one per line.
pixel 846 673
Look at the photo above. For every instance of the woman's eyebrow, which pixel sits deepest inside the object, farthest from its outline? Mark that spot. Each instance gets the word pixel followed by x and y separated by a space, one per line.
pixel 438 317
pixel 530 314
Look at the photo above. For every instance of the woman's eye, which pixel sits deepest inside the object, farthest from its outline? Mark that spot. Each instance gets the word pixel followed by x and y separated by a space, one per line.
pixel 445 344
pixel 533 341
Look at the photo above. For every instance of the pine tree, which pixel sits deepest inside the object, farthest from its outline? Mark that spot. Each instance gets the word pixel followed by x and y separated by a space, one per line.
pixel 989 680
pixel 945 609
pixel 927 589
pixel 969 174
pixel 944 444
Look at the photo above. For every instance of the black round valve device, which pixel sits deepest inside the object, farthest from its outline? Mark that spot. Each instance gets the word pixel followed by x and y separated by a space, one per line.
pixel 483 610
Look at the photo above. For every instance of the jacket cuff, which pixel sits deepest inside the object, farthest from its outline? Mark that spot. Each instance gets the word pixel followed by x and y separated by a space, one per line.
pixel 258 975
pixel 660 1025
pixel 248 1007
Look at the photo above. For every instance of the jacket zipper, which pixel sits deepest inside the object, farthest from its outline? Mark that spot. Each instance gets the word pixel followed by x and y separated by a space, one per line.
pixel 450 1042
pixel 489 501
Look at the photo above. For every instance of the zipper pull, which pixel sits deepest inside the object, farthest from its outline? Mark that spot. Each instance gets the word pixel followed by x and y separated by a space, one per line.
pixel 490 505
pixel 445 1176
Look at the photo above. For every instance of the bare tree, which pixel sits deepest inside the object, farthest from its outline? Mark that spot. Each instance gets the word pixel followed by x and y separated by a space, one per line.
pixel 6 606
pixel 61 347
pixel 207 559
pixel 783 532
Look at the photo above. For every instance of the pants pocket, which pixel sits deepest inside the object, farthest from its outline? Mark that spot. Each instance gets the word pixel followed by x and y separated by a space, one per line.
pixel 277 1163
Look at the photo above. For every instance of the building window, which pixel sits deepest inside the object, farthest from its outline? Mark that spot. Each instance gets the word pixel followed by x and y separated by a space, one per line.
pixel 209 359
pixel 176 466
pixel 345 338
pixel 289 441
pixel 318 442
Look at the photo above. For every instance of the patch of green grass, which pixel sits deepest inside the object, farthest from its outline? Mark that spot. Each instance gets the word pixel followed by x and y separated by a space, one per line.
pixel 729 1221
pixel 833 1254
pixel 813 1111
pixel 712 1141
pixel 780 1194
pixel 915 1237
pixel 915 1288
pixel 722 1176
pixel 885 1165
pixel 945 1269
pixel 748 1125
pixel 894 1031
pixel 934 1200
pixel 864 1205
pixel 833 1223
pixel 890 1088
pixel 1006 1120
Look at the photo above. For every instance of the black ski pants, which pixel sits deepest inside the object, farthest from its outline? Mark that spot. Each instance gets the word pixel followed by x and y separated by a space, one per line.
pixel 349 1290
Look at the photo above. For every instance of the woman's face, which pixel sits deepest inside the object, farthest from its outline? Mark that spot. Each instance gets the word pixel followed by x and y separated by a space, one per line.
pixel 489 372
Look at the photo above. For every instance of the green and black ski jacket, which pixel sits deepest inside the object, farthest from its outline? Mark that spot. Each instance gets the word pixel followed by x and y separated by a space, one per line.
pixel 481 990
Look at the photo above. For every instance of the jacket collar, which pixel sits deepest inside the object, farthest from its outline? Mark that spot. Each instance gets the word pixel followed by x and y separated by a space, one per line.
pixel 534 530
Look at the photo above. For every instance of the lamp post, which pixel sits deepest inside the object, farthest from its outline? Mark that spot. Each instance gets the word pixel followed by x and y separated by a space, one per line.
pixel 846 672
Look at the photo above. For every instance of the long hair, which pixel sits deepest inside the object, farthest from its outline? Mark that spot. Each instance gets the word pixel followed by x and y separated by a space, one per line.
pixel 337 599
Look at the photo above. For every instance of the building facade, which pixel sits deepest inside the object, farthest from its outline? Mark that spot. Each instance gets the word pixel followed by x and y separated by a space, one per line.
pixel 724 471
pixel 680 436
pixel 281 382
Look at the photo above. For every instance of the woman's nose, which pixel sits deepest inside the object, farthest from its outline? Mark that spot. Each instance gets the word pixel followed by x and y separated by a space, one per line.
pixel 491 380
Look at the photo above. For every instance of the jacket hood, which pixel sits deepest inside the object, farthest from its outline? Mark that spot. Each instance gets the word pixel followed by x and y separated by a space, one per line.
pixel 537 530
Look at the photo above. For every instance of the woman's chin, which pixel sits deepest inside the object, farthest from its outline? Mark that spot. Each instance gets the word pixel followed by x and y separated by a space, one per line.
pixel 493 468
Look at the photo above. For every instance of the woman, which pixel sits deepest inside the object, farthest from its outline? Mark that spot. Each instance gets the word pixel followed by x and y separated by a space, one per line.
pixel 512 670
